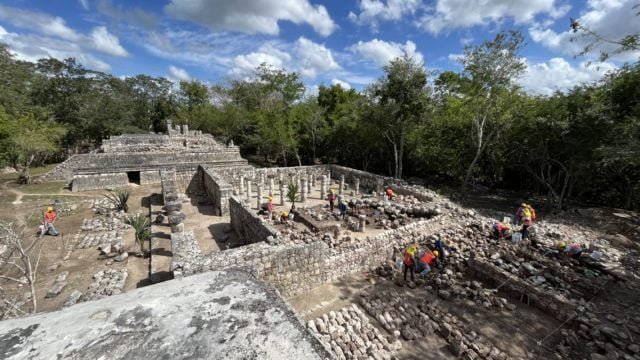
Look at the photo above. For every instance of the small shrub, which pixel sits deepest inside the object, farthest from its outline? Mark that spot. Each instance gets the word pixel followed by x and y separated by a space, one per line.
pixel 292 193
pixel 141 226
pixel 119 198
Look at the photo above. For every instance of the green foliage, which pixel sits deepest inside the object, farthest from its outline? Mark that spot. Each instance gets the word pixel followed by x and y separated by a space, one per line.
pixel 119 199
pixel 142 228
pixel 292 194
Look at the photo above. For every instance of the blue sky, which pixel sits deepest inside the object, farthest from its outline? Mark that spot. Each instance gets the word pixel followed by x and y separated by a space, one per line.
pixel 345 42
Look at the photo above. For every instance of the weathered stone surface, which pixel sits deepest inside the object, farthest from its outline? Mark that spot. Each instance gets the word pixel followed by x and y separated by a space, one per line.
pixel 209 316
pixel 121 257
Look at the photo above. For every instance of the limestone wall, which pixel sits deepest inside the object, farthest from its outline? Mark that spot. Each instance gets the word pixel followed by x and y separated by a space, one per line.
pixel 99 181
pixel 368 181
pixel 218 191
pixel 150 177
pixel 247 224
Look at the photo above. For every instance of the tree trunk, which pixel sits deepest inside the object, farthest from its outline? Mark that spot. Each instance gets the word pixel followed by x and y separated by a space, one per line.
pixel 298 158
pixel 395 160
pixel 469 170
pixel 401 155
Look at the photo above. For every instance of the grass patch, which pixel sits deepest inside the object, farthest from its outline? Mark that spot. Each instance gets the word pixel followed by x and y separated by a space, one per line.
pixel 49 199
pixel 52 188
pixel 7 197
pixel 36 171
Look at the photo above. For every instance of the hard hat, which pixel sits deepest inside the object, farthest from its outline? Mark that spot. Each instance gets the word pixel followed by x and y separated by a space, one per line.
pixel 331 191
pixel 50 209
pixel 523 204
pixel 412 249
pixel 562 244
pixel 270 197
pixel 284 213
pixel 436 253
pixel 508 227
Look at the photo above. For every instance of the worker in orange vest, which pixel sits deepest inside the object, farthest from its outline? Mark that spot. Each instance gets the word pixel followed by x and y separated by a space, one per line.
pixel 50 218
pixel 426 260
pixel 409 261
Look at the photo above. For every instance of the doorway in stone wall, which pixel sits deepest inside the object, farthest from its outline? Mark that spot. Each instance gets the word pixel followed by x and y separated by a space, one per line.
pixel 134 177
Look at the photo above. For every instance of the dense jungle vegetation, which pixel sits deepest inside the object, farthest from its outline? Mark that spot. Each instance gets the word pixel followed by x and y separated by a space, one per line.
pixel 476 126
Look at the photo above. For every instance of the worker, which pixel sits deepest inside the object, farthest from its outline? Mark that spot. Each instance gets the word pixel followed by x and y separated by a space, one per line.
pixel 520 214
pixel 390 194
pixel 49 219
pixel 342 206
pixel 284 216
pixel 574 250
pixel 332 198
pixel 529 215
pixel 426 260
pixel 439 245
pixel 501 231
pixel 270 206
pixel 409 261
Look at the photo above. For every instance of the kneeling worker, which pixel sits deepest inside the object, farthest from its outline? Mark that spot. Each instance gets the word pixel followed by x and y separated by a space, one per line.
pixel 426 260
pixel 501 231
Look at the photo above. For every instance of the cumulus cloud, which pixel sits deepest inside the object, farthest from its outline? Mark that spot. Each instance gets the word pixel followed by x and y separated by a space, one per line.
pixel 250 16
pixel 135 16
pixel 343 84
pixel 179 74
pixel 107 43
pixel 38 21
pixel 451 14
pixel 314 58
pixel 245 64
pixel 382 52
pixel 559 75
pixel 374 11
pixel 610 19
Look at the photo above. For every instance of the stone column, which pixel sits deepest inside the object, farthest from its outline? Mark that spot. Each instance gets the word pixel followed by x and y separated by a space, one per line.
pixel 362 221
pixel 309 187
pixel 356 186
pixel 313 180
pixel 379 185
pixel 341 188
pixel 323 187
pixel 329 178
pixel 303 192
pixel 249 190
pixel 282 189
pixel 271 185
pixel 259 201
pixel 280 177
pixel 241 192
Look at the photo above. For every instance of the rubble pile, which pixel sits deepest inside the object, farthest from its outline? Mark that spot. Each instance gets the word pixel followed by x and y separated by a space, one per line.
pixel 409 322
pixel 605 337
pixel 350 335
pixel 106 283
pixel 113 238
pixel 104 223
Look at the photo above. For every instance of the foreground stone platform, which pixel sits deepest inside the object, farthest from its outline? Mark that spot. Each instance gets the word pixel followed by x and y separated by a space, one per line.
pixel 214 315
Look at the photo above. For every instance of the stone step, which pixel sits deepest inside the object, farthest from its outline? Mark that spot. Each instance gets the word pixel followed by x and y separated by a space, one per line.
pixel 161 247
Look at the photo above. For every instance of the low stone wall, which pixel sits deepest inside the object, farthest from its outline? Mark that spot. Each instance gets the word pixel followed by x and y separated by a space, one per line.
pixel 368 180
pixel 218 191
pixel 519 289
pixel 149 177
pixel 99 181
pixel 247 224
pixel 186 252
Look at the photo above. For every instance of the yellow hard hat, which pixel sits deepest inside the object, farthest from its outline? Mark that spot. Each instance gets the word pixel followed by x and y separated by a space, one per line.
pixel 270 197
pixel 523 204
pixel 331 191
pixel 50 209
pixel 562 244
pixel 284 213
pixel 436 253
pixel 412 249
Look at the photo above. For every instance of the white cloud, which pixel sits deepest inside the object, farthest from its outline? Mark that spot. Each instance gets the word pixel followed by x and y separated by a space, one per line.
pixel 84 4
pixel 32 47
pixel 374 11
pixel 44 23
pixel 559 75
pixel 452 14
pixel 243 65
pixel 135 16
pixel 107 43
pixel 382 52
pixel 343 84
pixel 314 58
pixel 252 17
pixel 179 74
pixel 610 19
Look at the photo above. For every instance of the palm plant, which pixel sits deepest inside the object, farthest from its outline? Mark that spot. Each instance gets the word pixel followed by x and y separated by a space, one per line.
pixel 119 199
pixel 292 193
pixel 141 225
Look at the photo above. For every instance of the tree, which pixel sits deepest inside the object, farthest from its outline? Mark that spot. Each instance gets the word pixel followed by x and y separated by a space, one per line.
pixel 24 138
pixel 627 43
pixel 20 261
pixel 292 193
pixel 398 100
pixel 486 86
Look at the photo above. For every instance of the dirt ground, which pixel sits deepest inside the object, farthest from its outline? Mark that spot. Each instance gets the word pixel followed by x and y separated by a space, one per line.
pixel 25 204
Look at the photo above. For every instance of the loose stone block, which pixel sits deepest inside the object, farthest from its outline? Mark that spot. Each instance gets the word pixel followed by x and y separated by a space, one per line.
pixel 323 187
pixel 341 188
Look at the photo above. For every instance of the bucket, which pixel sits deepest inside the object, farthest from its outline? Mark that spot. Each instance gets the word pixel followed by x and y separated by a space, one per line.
pixel 506 220
pixel 516 237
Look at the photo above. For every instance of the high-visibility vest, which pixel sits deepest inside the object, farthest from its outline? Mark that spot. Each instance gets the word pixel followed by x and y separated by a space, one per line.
pixel 428 258
pixel 50 217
